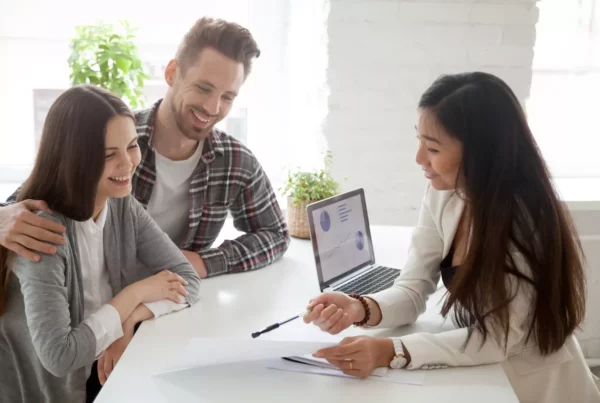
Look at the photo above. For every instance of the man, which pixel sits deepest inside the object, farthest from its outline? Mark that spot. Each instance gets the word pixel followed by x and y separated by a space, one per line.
pixel 191 174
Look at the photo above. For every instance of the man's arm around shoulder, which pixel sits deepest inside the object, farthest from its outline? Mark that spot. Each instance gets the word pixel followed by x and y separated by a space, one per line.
pixel 26 233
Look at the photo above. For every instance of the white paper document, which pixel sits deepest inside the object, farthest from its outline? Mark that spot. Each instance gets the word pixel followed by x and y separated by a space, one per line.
pixel 203 352
pixel 393 376
pixel 323 363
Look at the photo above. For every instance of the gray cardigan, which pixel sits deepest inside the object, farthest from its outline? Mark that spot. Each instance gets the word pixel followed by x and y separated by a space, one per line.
pixel 44 347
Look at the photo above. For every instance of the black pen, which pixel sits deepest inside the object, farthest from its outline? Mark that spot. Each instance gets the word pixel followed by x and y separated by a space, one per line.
pixel 276 325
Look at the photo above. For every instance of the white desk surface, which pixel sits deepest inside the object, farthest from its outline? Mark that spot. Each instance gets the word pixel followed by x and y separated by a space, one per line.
pixel 234 306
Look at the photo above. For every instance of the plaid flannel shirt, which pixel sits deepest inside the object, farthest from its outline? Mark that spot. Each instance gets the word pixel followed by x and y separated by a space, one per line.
pixel 228 178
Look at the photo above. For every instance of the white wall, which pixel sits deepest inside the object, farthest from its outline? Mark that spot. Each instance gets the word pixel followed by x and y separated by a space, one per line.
pixel 34 47
pixel 382 55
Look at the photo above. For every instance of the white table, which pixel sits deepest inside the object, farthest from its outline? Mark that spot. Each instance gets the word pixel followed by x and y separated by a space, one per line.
pixel 234 306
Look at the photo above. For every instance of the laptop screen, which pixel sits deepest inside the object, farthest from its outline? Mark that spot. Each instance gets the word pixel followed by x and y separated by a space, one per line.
pixel 340 233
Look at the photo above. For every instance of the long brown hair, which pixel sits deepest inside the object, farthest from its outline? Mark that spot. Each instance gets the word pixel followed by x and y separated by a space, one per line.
pixel 514 207
pixel 70 158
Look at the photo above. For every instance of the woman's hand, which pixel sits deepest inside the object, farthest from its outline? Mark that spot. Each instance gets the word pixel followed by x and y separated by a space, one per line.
pixel 359 356
pixel 334 312
pixel 113 353
pixel 164 285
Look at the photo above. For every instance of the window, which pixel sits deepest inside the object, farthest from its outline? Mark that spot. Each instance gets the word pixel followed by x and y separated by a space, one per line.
pixel 35 37
pixel 563 108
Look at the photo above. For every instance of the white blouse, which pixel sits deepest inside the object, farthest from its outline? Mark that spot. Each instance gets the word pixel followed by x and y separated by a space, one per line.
pixel 99 315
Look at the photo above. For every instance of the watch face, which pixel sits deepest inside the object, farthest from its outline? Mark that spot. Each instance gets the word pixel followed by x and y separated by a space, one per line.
pixel 398 362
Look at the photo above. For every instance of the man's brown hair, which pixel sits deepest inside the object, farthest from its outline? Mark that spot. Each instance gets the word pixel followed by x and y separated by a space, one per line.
pixel 229 38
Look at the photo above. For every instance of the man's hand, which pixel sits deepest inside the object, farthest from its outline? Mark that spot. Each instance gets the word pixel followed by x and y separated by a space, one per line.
pixel 196 262
pixel 109 358
pixel 26 233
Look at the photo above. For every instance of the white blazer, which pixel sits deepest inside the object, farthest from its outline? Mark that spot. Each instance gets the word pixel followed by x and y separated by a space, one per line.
pixel 560 377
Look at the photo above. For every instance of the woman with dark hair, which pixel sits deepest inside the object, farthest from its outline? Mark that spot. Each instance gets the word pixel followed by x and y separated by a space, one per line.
pixel 492 227
pixel 116 268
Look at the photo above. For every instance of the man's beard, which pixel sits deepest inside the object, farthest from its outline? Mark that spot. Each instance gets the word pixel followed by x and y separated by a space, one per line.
pixel 192 133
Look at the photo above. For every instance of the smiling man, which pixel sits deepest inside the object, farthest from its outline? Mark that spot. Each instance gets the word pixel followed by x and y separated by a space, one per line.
pixel 191 174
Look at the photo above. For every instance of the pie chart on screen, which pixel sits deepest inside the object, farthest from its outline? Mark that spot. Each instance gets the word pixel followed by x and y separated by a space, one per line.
pixel 325 221
pixel 360 240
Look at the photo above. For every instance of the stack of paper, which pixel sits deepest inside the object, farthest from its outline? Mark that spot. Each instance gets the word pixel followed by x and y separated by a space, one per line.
pixel 379 374
pixel 323 363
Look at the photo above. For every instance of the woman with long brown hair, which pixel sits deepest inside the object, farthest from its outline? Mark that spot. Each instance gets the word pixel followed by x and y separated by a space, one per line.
pixel 81 303
pixel 492 227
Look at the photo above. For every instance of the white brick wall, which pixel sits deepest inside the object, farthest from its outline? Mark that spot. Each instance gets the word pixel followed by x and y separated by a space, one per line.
pixel 382 55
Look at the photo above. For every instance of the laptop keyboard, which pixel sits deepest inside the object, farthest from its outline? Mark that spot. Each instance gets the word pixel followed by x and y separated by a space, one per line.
pixel 376 280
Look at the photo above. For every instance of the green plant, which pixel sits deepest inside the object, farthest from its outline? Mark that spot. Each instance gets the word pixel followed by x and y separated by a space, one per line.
pixel 311 186
pixel 106 55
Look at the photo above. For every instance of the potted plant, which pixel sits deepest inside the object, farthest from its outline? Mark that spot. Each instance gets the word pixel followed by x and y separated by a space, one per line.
pixel 303 188
pixel 106 55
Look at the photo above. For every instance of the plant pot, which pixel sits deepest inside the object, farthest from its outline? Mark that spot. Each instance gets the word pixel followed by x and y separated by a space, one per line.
pixel 297 219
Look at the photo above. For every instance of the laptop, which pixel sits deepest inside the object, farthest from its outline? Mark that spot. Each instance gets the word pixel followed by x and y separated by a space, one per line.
pixel 342 246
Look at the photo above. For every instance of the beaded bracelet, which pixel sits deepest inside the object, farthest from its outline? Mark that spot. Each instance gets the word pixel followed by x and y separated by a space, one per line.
pixel 363 301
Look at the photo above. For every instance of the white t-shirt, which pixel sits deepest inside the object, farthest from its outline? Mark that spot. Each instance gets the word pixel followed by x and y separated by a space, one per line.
pixel 169 205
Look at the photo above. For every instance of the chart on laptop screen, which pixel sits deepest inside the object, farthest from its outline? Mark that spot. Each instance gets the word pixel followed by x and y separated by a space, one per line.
pixel 341 237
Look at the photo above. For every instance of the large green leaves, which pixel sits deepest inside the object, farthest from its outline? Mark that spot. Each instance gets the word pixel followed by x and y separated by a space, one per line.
pixel 106 55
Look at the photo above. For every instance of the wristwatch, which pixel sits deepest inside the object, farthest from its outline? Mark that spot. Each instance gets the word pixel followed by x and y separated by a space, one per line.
pixel 399 360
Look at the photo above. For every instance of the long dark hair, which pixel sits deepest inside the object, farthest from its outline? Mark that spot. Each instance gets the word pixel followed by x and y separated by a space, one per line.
pixel 70 158
pixel 514 208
